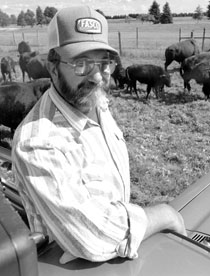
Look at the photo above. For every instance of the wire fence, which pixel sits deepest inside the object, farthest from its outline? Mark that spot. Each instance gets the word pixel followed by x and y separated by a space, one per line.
pixel 127 38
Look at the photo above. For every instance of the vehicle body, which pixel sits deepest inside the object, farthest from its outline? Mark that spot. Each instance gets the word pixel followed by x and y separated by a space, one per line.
pixel 162 254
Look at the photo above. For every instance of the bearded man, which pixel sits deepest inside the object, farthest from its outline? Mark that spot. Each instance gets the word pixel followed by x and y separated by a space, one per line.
pixel 70 160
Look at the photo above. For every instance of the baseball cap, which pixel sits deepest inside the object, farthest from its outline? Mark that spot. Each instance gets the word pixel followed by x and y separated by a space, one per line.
pixel 78 29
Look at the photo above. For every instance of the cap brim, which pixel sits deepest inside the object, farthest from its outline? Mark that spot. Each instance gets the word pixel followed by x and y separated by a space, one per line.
pixel 75 49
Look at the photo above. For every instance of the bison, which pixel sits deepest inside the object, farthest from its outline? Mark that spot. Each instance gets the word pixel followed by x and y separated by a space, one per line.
pixel 7 66
pixel 24 60
pixel 16 100
pixel 197 67
pixel 23 47
pixel 154 76
pixel 37 67
pixel 119 74
pixel 181 50
pixel 34 64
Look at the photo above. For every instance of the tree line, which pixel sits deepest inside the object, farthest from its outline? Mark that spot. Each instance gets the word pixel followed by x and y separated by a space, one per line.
pixel 166 16
pixel 40 17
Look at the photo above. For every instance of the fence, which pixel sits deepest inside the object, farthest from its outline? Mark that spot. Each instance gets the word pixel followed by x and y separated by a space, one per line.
pixel 9 39
pixel 134 38
pixel 23 37
pixel 203 37
pixel 180 37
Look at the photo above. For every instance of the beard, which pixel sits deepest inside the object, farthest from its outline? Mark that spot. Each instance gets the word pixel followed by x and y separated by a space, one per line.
pixel 87 95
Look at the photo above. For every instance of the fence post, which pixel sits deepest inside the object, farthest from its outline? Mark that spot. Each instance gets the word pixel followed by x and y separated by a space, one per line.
pixel 191 34
pixel 14 42
pixel 120 46
pixel 137 38
pixel 37 36
pixel 23 36
pixel 203 39
pixel 180 30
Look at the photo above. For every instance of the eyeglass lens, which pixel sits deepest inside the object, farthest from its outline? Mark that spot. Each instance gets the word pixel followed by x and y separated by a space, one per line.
pixel 84 66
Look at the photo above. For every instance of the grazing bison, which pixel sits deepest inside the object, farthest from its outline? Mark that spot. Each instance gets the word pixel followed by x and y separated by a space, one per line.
pixel 197 67
pixel 7 66
pixel 154 76
pixel 37 67
pixel 119 74
pixel 181 50
pixel 23 47
pixel 16 100
pixel 24 60
pixel 34 64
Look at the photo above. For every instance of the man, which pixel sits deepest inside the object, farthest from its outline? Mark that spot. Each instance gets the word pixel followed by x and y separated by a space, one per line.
pixel 70 159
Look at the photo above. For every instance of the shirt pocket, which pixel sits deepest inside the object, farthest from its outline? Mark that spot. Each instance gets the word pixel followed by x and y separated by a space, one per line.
pixel 95 181
pixel 92 172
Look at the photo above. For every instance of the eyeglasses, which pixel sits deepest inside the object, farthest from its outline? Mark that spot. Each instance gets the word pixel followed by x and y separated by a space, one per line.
pixel 84 66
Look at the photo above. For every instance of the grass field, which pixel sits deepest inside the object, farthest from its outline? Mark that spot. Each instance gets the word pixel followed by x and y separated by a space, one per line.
pixel 168 139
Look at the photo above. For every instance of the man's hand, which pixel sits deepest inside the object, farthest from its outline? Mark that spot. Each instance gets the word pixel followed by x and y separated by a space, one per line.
pixel 161 217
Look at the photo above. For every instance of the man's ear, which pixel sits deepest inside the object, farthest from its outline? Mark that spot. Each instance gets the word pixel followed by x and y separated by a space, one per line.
pixel 52 69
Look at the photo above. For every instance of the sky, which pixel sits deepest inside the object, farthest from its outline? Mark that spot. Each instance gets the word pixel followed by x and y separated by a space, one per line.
pixel 109 7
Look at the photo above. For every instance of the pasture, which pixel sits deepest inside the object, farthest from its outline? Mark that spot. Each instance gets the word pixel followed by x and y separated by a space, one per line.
pixel 168 138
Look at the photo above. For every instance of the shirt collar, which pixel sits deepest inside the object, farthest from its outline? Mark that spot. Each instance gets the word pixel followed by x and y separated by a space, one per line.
pixel 76 118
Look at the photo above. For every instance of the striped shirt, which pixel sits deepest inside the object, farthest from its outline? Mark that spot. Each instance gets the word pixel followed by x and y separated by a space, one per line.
pixel 73 176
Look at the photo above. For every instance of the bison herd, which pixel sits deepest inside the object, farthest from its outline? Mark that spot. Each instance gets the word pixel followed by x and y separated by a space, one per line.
pixel 31 63
pixel 17 98
pixel 193 65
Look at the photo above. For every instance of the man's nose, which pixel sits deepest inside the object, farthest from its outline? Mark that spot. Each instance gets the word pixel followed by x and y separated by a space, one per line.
pixel 95 75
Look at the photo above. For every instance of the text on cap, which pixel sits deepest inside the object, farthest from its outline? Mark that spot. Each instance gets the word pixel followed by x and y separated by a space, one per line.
pixel 88 25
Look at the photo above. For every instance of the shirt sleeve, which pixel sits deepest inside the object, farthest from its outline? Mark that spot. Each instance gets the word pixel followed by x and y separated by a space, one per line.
pixel 86 226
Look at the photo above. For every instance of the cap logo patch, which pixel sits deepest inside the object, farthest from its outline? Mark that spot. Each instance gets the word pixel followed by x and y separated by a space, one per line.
pixel 88 25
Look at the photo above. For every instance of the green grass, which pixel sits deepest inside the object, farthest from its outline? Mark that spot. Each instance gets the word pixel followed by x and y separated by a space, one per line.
pixel 168 142
pixel 168 139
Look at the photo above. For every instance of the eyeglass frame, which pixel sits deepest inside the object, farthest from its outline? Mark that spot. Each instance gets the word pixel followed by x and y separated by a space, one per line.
pixel 95 62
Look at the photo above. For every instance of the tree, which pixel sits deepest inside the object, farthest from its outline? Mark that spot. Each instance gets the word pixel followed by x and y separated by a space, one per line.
pixel 166 16
pixel 49 12
pixel 198 14
pixel 21 19
pixel 40 19
pixel 208 11
pixel 13 19
pixel 30 18
pixel 155 11
pixel 4 19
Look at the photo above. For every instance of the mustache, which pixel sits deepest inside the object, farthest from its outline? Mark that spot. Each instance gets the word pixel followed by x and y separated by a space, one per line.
pixel 90 94
pixel 91 86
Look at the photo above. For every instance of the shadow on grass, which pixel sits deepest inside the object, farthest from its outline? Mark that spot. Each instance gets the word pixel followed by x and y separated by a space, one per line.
pixel 122 93
pixel 180 97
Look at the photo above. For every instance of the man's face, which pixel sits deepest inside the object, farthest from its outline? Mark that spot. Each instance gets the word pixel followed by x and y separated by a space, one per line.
pixel 83 91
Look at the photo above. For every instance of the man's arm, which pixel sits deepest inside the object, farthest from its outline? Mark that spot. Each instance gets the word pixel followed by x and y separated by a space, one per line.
pixel 86 224
pixel 161 217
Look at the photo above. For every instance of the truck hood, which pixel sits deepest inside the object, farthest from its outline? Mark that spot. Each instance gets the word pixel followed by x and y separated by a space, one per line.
pixel 162 254
pixel 194 205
